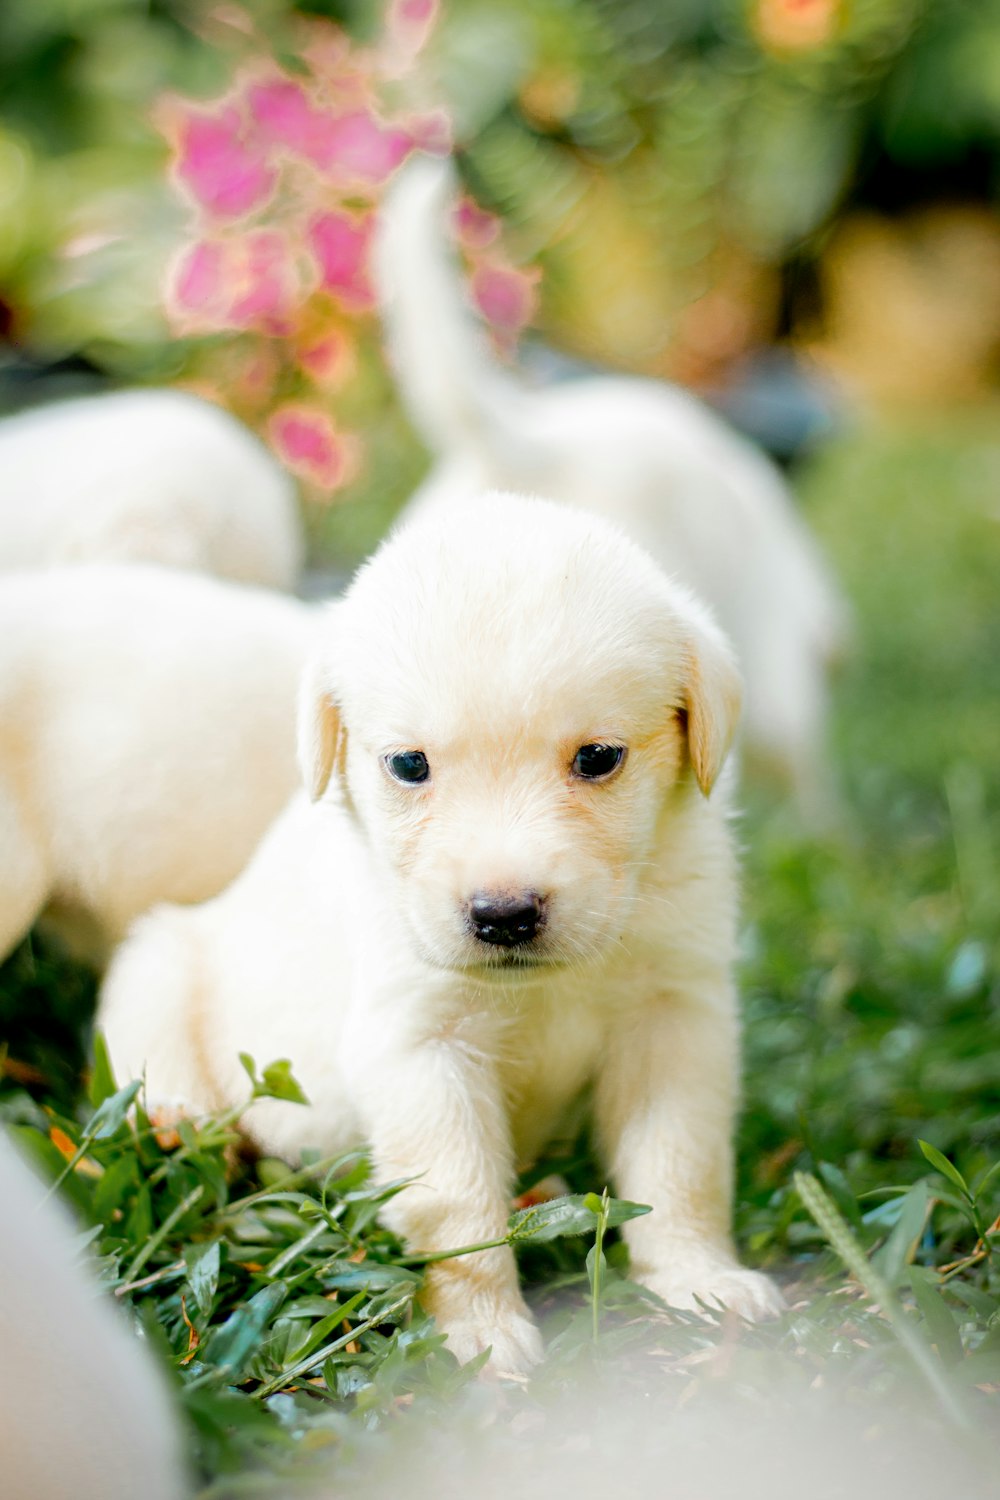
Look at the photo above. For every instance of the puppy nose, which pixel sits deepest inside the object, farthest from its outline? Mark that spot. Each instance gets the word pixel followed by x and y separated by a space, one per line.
pixel 506 921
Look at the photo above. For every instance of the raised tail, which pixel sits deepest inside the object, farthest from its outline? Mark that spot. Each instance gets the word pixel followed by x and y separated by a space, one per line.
pixel 454 389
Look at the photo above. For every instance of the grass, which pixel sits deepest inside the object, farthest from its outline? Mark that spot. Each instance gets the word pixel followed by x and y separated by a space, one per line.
pixel 869 1137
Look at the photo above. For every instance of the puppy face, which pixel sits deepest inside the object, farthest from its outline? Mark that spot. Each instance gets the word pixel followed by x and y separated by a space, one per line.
pixel 508 693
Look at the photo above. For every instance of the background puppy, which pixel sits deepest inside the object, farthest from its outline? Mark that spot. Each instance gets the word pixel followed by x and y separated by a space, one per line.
pixel 708 506
pixel 146 476
pixel 146 741
pixel 82 1413
pixel 515 883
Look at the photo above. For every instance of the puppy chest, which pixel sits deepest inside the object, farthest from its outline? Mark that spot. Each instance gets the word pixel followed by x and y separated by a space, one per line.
pixel 544 1068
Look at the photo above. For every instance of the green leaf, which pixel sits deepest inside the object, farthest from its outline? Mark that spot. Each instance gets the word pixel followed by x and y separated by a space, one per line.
pixel 899 1249
pixel 940 1320
pixel 277 1082
pixel 945 1167
pixel 203 1275
pixel 102 1079
pixel 112 1111
pixel 239 1336
pixel 569 1215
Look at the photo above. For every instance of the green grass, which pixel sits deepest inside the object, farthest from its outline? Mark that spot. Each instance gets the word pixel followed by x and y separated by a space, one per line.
pixel 872 1024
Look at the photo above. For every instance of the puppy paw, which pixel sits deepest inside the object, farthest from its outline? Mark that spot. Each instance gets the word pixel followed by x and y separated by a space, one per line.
pixel 512 1337
pixel 693 1284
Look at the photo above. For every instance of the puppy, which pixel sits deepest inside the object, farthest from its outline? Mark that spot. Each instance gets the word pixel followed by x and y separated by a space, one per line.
pixel 706 503
pixel 146 476
pixel 146 741
pixel 84 1413
pixel 515 879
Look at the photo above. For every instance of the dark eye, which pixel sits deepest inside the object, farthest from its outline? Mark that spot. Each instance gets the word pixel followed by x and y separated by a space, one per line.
pixel 408 765
pixel 596 761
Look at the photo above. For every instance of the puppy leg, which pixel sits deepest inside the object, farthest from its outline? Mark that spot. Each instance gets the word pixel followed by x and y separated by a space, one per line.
pixel 24 877
pixel 439 1116
pixel 665 1105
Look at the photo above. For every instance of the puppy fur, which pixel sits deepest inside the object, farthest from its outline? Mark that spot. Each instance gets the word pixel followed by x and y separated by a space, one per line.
pixel 146 741
pixel 708 506
pixel 85 1414
pixel 497 639
pixel 146 476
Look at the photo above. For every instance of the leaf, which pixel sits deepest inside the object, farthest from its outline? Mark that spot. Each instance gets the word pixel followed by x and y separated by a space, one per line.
pixel 569 1215
pixel 945 1167
pixel 892 1258
pixel 837 1185
pixel 277 1082
pixel 940 1320
pixel 102 1079
pixel 979 1301
pixel 249 1067
pixel 231 1345
pixel 112 1111
pixel 203 1275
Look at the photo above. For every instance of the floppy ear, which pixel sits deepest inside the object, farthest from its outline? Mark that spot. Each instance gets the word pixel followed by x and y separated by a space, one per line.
pixel 321 738
pixel 713 693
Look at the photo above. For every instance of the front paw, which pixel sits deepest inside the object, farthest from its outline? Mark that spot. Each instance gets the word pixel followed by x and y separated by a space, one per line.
pixel 696 1284
pixel 512 1337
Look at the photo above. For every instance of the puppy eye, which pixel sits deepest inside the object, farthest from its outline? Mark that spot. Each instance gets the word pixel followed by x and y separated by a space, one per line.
pixel 594 762
pixel 408 765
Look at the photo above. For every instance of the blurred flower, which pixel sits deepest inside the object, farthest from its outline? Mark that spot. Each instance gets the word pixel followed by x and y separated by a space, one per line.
pixel 285 173
pixel 340 243
pixel 327 357
pixel 309 444
pixel 243 282
pixel 474 228
pixel 408 24
pixel 506 296
pixel 220 164
pixel 795 25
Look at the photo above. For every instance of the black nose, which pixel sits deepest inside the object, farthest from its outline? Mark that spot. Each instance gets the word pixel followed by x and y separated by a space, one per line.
pixel 506 921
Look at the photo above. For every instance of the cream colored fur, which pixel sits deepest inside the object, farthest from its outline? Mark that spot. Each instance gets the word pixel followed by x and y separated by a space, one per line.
pixel 146 741
pixel 497 639
pixel 84 1414
pixel 709 506
pixel 146 476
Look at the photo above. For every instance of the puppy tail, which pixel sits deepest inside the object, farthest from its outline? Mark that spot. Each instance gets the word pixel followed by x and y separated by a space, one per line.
pixel 455 391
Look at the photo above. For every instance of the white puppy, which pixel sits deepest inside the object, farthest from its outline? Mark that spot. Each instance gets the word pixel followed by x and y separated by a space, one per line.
pixel 146 740
pixel 708 506
pixel 514 884
pixel 84 1413
pixel 146 476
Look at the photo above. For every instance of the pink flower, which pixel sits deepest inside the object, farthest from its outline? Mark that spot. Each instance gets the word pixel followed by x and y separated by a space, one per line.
pixel 408 24
pixel 240 283
pixel 474 227
pixel 223 170
pixel 308 443
pixel 327 360
pixel 340 242
pixel 357 149
pixel 431 131
pixel 505 296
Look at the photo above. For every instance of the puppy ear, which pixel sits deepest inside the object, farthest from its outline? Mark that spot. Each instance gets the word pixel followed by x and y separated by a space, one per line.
pixel 713 694
pixel 321 739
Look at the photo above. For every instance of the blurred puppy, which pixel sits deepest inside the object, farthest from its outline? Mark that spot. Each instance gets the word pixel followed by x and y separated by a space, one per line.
pixel 83 1414
pixel 146 741
pixel 515 881
pixel 146 476
pixel 709 507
